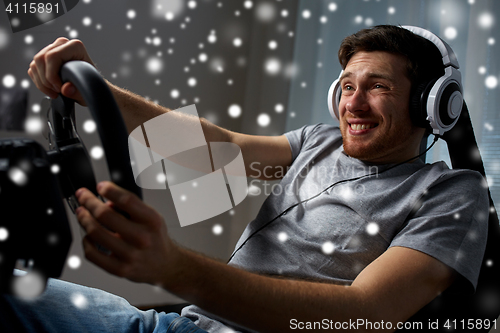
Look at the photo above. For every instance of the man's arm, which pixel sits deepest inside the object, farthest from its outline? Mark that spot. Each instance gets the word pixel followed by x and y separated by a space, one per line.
pixel 390 289
pixel 258 151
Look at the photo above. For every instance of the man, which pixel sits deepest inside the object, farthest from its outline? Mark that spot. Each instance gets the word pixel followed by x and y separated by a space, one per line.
pixel 376 246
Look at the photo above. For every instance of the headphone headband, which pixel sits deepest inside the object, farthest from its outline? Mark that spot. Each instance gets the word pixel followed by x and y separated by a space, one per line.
pixel 449 57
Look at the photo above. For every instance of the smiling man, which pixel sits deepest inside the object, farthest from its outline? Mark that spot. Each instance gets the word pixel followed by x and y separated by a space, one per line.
pixel 365 253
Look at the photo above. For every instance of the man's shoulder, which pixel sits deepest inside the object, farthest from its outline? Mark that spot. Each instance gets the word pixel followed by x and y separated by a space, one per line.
pixel 321 133
pixel 453 178
pixel 441 168
pixel 323 129
pixel 317 129
pixel 312 137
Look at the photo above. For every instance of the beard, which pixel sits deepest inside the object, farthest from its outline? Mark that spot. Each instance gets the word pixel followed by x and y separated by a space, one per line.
pixel 381 145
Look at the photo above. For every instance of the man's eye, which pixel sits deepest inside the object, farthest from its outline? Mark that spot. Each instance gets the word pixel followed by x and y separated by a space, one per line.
pixel 379 86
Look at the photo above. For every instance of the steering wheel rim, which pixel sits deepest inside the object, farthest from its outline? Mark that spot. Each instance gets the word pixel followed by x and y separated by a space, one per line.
pixel 105 112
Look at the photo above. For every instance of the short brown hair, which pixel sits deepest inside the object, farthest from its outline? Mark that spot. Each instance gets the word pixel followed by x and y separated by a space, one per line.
pixel 424 61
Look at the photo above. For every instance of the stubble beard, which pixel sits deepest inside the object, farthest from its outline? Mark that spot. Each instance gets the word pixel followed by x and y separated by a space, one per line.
pixel 379 146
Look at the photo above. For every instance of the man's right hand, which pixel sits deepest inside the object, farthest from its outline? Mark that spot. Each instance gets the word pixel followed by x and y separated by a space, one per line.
pixel 45 67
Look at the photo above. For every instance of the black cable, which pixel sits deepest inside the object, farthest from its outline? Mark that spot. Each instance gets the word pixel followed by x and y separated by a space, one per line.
pixel 436 137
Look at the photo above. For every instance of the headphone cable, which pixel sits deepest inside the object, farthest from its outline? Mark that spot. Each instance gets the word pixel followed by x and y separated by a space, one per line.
pixel 436 138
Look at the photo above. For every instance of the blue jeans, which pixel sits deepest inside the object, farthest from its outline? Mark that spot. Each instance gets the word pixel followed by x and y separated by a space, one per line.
pixel 66 307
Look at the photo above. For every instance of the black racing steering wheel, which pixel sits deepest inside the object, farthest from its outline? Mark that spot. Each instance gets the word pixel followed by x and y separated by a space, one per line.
pixel 69 150
pixel 34 225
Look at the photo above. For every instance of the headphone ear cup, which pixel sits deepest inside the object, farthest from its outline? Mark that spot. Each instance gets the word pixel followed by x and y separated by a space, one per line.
pixel 418 104
pixel 444 100
pixel 333 101
pixel 450 105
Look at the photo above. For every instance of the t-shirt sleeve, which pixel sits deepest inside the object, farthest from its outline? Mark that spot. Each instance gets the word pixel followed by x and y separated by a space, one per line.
pixel 308 135
pixel 450 223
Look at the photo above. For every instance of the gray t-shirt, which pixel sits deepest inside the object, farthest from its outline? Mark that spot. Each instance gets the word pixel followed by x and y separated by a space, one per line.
pixel 333 237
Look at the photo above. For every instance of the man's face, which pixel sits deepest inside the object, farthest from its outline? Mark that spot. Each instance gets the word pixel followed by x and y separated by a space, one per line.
pixel 374 109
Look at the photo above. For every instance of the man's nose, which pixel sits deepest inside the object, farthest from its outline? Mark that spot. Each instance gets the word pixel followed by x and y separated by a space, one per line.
pixel 357 102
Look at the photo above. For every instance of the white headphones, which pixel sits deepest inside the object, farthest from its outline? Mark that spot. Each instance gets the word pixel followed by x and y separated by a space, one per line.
pixel 437 103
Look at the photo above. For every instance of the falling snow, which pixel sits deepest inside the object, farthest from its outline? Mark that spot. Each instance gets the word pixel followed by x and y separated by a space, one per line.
pixel 79 301
pixel 55 168
pixel 154 65
pixel 17 176
pixel 4 38
pixel 73 34
pixel 9 81
pixel 89 126
pixel 263 120
pixel 209 65
pixel 372 228
pixel 265 12
pixel 212 38
pixel 254 190
pixel 282 237
pixel 217 229
pixel 450 33
pixel 29 285
pixel 28 39
pixel 174 93
pixel 96 152
pixel 234 111
pixel 36 108
pixel 272 66
pixel 4 234
pixel 237 42
pixel 202 57
pixel 486 20
pixel 87 21
pixel 131 14
pixel 74 262
pixel 161 178
pixel 328 247
pixel 491 82
pixel 33 125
